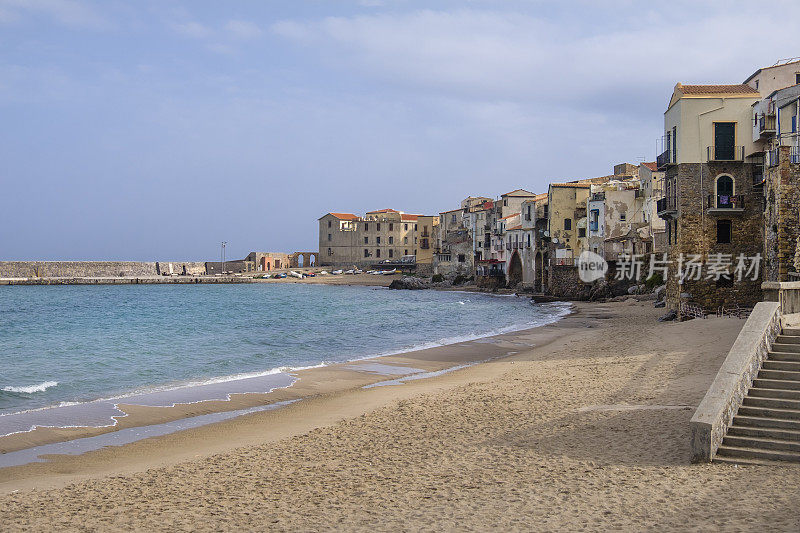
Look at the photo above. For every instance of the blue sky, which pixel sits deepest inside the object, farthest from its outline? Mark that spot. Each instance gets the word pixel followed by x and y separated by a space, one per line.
pixel 153 130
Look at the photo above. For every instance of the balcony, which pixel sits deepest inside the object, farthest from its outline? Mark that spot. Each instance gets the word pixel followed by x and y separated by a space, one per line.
pixel 766 124
pixel 666 206
pixel 725 153
pixel 722 204
pixel 665 159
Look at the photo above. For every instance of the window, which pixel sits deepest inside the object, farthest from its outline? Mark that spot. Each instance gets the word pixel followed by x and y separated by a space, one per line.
pixel 796 79
pixel 377 253
pixel 377 240
pixel 461 258
pixel 415 240
pixel 378 226
pixel 391 227
pixel 723 231
pixel 391 253
pixel 366 252
pixel 453 218
pixel 756 85
pixel 581 232
pixel 405 241
pixel 329 237
pixel 567 223
pixel 724 186
pixel 366 227
pixel 366 240
pixel 391 240
pixel 405 252
pixel 329 223
pixel 415 227
pixel 623 217
pixel 505 202
pixel 405 227
pixel 330 252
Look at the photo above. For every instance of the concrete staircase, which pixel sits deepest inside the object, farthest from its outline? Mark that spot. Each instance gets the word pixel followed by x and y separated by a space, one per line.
pixel 767 426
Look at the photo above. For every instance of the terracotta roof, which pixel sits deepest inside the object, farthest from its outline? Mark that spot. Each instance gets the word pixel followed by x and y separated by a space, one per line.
pixel 542 196
pixel 344 216
pixel 514 192
pixel 571 185
pixel 652 166
pixel 515 227
pixel 509 216
pixel 405 216
pixel 716 89
pixel 384 211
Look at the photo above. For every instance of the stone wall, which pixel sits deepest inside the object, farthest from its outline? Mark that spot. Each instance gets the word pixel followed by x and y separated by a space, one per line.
pixel 95 269
pixel 781 217
pixel 720 404
pixel 697 234
pixel 563 282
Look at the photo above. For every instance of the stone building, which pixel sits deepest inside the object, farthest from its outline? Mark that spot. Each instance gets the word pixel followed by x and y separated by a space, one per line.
pixel 711 208
pixel 651 183
pixel 346 239
pixel 776 137
pixel 567 204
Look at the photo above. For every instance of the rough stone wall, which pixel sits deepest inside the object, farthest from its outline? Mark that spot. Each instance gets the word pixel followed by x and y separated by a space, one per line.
pixel 697 234
pixel 781 217
pixel 68 269
pixel 563 282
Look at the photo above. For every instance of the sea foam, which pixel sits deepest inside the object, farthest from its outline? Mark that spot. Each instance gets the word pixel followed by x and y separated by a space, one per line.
pixel 30 389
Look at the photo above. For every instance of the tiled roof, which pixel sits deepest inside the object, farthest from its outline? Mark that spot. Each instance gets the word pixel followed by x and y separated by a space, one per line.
pixel 514 193
pixel 542 196
pixel 344 216
pixel 515 227
pixel 405 216
pixel 652 166
pixel 384 211
pixel 571 185
pixel 509 216
pixel 716 89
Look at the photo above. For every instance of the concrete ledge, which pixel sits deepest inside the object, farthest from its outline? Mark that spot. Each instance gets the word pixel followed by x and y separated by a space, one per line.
pixel 786 293
pixel 722 401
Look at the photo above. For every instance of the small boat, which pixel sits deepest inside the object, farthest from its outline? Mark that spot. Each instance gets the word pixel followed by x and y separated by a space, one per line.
pixel 281 275
pixel 389 272
pixel 349 272
pixel 323 273
pixel 310 275
pixel 336 272
pixel 296 274
pixel 358 271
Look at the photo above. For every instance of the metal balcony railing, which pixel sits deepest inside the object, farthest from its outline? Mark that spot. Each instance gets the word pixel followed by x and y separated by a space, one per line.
pixel 666 204
pixel 766 123
pixel 722 201
pixel 664 160
pixel 725 153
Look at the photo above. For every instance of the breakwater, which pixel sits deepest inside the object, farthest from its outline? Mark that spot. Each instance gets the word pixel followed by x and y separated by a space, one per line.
pixel 99 269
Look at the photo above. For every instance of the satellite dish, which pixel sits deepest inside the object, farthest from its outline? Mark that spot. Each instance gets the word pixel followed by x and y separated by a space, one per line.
pixel 555 240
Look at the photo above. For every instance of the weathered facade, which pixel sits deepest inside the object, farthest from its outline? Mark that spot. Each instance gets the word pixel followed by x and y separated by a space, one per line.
pixel 710 203
pixel 387 234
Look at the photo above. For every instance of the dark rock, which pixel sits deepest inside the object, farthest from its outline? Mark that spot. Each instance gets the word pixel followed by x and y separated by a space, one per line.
pixel 660 304
pixel 410 283
pixel 670 315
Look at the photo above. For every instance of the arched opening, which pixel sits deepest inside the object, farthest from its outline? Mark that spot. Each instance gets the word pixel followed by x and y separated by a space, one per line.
pixel 724 192
pixel 312 260
pixel 300 261
pixel 515 270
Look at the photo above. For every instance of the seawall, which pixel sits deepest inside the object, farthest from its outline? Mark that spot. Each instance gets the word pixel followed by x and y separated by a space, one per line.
pixel 98 269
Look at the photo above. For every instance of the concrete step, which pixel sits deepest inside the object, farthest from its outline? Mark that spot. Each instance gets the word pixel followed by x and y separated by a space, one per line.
pixel 765 422
pixel 788 339
pixel 776 384
pixel 761 443
pixel 769 412
pixel 779 374
pixel 785 347
pixel 793 366
pixel 783 356
pixel 773 403
pixel 791 331
pixel 764 433
pixel 785 394
pixel 745 461
pixel 756 453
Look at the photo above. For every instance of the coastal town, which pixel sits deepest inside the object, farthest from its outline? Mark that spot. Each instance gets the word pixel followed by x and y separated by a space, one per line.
pixel 712 217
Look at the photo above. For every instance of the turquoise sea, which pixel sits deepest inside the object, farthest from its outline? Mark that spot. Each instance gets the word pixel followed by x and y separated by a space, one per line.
pixel 64 346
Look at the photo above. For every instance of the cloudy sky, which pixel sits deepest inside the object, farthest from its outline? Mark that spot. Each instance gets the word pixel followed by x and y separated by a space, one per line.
pixel 156 129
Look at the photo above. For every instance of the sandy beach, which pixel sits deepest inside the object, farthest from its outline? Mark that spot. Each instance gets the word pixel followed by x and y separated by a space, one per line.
pixel 583 427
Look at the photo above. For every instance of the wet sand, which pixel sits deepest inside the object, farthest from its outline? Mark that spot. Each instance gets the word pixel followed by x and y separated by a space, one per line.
pixel 584 427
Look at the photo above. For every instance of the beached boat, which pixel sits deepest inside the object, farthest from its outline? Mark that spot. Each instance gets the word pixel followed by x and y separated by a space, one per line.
pixel 296 274
pixel 349 271
pixel 336 272
pixel 323 273
pixel 389 272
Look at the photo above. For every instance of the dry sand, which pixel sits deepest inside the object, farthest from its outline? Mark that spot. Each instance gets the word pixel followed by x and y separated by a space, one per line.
pixel 586 430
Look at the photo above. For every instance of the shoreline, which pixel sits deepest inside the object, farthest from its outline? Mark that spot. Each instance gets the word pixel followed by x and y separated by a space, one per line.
pixel 427 357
